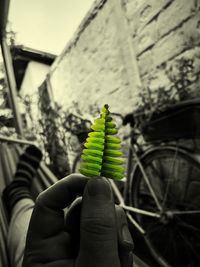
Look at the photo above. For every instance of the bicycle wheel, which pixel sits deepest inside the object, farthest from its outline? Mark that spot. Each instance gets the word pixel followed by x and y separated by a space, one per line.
pixel 175 178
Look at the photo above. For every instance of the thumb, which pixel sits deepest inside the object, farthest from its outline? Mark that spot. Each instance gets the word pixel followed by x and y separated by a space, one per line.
pixel 98 230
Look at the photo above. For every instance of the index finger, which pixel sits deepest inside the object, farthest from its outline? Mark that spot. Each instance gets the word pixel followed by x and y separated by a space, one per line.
pixel 48 217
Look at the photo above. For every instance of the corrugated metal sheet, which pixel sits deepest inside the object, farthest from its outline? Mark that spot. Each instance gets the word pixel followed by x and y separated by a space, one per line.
pixel 9 154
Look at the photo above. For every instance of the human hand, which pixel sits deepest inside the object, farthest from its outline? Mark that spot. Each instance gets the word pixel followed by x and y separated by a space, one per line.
pixel 100 230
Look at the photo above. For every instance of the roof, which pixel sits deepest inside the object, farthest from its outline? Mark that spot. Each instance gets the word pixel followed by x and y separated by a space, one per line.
pixel 22 55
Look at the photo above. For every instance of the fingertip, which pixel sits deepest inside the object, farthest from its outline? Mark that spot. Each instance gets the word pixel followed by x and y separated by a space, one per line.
pixel 98 188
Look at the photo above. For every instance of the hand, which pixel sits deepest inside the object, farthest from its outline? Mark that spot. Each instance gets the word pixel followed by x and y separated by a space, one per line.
pixel 98 237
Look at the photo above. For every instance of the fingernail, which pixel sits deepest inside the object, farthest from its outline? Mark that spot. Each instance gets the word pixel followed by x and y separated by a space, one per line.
pixel 99 188
pixel 127 238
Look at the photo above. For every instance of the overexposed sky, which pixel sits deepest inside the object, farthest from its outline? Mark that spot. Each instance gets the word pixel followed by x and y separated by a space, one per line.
pixel 46 25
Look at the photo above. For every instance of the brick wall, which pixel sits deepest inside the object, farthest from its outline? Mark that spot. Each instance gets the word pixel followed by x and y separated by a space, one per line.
pixel 123 46
pixel 95 67
pixel 163 31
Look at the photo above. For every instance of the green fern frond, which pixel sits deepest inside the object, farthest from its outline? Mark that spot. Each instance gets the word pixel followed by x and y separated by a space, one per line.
pixel 102 155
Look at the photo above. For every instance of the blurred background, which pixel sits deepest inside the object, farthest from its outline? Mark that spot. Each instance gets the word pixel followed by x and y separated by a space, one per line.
pixel 67 59
pixel 60 61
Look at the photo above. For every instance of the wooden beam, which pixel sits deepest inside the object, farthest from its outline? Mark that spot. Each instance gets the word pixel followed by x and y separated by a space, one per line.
pixel 4 7
pixel 16 140
pixel 11 86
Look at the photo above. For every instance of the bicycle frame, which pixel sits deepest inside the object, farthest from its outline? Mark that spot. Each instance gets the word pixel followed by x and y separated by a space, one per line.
pixel 135 159
pixel 147 202
pixel 132 154
pixel 129 209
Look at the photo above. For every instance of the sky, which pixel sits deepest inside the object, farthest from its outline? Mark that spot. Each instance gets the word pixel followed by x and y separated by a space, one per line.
pixel 46 25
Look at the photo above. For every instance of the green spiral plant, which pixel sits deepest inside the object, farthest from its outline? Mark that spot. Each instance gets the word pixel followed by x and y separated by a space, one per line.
pixel 102 155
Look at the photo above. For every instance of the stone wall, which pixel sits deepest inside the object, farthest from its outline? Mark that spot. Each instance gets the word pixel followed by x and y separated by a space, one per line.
pixel 163 31
pixel 95 67
pixel 125 46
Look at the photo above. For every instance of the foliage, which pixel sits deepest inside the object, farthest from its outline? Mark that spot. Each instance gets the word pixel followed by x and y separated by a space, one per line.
pixel 102 149
pixel 181 77
pixel 10 34
pixel 52 134
pixel 56 130
pixel 6 116
pixel 76 125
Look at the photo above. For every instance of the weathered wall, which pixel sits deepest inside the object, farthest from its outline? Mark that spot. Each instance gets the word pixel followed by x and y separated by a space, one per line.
pixel 120 37
pixel 95 67
pixel 125 46
pixel 163 31
pixel 34 76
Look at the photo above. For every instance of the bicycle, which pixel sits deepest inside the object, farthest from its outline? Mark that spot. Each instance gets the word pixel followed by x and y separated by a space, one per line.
pixel 161 192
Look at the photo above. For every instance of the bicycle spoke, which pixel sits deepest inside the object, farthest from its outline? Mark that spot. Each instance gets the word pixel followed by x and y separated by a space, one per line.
pixel 169 243
pixel 191 227
pixel 155 227
pixel 163 239
pixel 187 182
pixel 190 247
pixel 174 177
pixel 168 184
pixel 157 179
pixel 192 212
pixel 148 184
